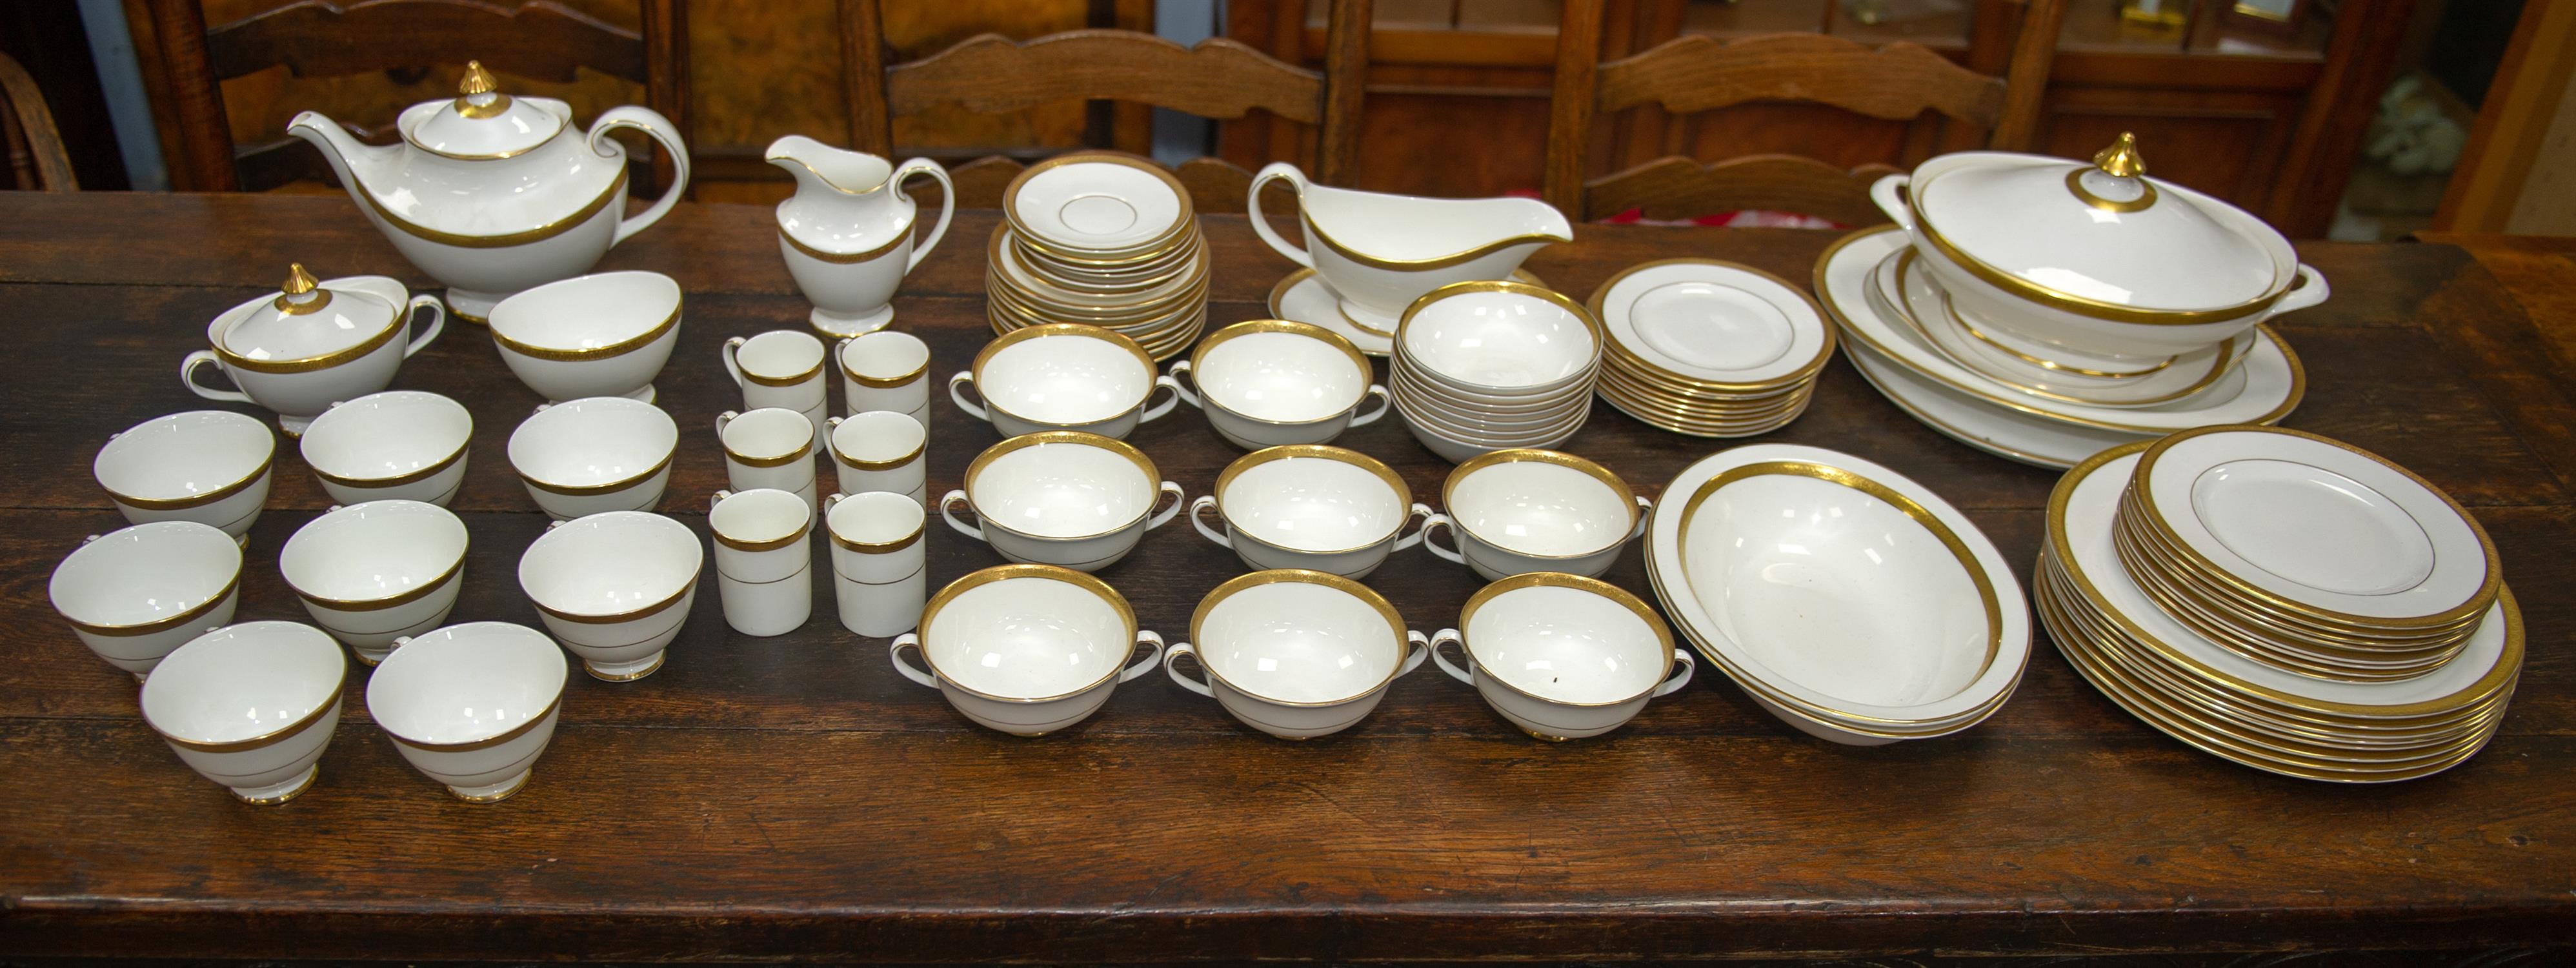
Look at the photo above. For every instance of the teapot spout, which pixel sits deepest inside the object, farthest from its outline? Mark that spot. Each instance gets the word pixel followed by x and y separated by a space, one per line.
pixel 356 162
pixel 819 167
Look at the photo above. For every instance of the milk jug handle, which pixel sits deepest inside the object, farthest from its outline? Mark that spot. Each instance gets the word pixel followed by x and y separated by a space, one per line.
pixel 947 204
pixel 1261 224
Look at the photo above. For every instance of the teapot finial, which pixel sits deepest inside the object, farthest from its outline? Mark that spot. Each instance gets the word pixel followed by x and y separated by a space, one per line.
pixel 302 293
pixel 2121 159
pixel 477 80
pixel 478 96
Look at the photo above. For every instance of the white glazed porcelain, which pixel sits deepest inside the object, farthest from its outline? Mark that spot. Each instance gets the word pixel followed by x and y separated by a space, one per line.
pixel 885 370
pixel 1312 507
pixel 299 350
pixel 372 573
pixel 1063 376
pixel 772 447
pixel 207 466
pixel 1380 252
pixel 1063 498
pixel 879 561
pixel 136 593
pixel 2050 373
pixel 1027 649
pixel 1457 446
pixel 604 335
pixel 1504 338
pixel 1296 654
pixel 589 456
pixel 614 588
pixel 471 706
pixel 880 450
pixel 1098 204
pixel 1563 656
pixel 1271 383
pixel 781 368
pixel 1516 511
pixel 847 232
pixel 764 559
pixel 1301 296
pixel 404 445
pixel 1713 324
pixel 492 193
pixel 250 706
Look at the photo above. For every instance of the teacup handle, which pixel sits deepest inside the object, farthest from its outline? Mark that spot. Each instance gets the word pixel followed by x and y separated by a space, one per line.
pixel 661 129
pixel 187 374
pixel 1152 658
pixel 829 500
pixel 967 377
pixel 2309 290
pixel 1384 404
pixel 947 505
pixel 1422 511
pixel 724 420
pixel 947 204
pixel 1171 656
pixel 1682 658
pixel 1181 368
pixel 1281 171
pixel 895 653
pixel 1205 502
pixel 1168 402
pixel 1885 192
pixel 1645 515
pixel 437 322
pixel 716 499
pixel 1450 637
pixel 1442 522
pixel 1180 499
pixel 1417 647
pixel 727 352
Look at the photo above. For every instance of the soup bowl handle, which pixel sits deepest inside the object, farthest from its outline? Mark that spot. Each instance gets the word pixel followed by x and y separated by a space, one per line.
pixel 895 653
pixel 1420 510
pixel 1280 171
pixel 966 377
pixel 1442 522
pixel 1682 658
pixel 947 512
pixel 1172 655
pixel 1204 502
pixel 1180 500
pixel 1179 369
pixel 1168 402
pixel 1152 658
pixel 1417 648
pixel 1645 515
pixel 1450 637
pixel 1384 404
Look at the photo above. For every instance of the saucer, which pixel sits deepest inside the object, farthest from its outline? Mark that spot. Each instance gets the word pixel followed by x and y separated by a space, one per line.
pixel 1302 297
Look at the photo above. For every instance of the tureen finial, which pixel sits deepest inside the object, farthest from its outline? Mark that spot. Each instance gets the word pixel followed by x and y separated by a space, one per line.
pixel 2121 159
pixel 477 80
pixel 298 281
pixel 302 293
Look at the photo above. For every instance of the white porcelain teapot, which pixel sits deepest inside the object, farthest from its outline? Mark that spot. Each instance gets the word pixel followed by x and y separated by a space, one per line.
pixel 487 192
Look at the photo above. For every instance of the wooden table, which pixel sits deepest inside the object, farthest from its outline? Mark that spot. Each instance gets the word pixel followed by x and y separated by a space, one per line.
pixel 764 798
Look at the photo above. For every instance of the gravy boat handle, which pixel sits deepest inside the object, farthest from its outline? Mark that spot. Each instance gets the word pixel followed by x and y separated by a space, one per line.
pixel 1277 170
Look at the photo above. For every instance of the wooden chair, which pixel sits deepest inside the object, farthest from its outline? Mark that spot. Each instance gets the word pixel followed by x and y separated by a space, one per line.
pixel 36 155
pixel 318 38
pixel 1219 78
pixel 1898 81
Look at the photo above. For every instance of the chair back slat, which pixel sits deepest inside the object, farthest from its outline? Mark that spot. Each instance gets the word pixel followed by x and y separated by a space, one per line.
pixel 35 144
pixel 1219 78
pixel 1895 82
pixel 317 38
pixel 1679 188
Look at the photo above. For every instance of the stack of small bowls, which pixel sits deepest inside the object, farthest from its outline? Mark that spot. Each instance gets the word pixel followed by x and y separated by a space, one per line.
pixel 1490 365
pixel 1103 239
pixel 1709 348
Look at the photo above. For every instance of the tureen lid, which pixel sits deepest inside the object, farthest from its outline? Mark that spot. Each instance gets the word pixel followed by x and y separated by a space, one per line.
pixel 307 319
pixel 2102 233
pixel 482 122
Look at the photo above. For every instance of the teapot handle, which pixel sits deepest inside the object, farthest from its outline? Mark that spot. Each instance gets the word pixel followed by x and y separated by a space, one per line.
pixel 947 204
pixel 661 129
pixel 1261 225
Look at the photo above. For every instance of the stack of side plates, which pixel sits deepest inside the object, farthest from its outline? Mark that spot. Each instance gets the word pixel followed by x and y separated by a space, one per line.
pixel 1103 239
pixel 2004 396
pixel 1709 348
pixel 2231 702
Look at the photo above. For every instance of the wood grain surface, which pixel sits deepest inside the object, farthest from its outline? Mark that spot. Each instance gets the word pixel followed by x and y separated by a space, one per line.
pixel 794 797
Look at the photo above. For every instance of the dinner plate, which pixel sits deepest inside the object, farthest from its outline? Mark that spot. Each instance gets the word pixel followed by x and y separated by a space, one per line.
pixel 1902 278
pixel 1712 324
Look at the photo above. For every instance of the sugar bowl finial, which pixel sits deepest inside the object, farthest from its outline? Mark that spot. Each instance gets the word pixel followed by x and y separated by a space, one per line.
pixel 2121 159
pixel 302 293
pixel 477 80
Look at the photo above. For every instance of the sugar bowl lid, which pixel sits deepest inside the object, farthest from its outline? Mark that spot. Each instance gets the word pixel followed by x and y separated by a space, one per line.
pixel 308 322
pixel 2103 234
pixel 481 122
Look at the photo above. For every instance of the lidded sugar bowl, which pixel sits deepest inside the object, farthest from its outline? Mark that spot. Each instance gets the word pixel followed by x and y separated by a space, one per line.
pixel 313 343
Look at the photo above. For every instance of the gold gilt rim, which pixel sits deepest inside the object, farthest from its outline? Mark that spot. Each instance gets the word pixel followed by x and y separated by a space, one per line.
pixel 405 597
pixel 613 618
pixel 1368 596
pixel 619 348
pixel 2142 557
pixel 1024 334
pixel 1002 236
pixel 1183 220
pixel 1554 579
pixel 398 480
pixel 202 498
pixel 1153 478
pixel 503 241
pixel 1193 279
pixel 1432 262
pixel 1368 371
pixel 877 547
pixel 2155 554
pixel 2468 610
pixel 1825 354
pixel 847 258
pixel 2093 308
pixel 1922 516
pixel 881 382
pixel 324 361
pixel 977 579
pixel 887 464
pixel 2217 368
pixel 803 452
pixel 1340 455
pixel 2046 364
pixel 766 544
pixel 1591 323
pixel 191 614
pixel 1516 455
pixel 1116 264
pixel 1175 308
pixel 789 380
pixel 488 742
pixel 586 490
pixel 330 702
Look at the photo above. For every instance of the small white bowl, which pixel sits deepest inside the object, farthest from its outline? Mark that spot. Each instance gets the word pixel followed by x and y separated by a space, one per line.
pixel 1272 383
pixel 1027 649
pixel 250 706
pixel 1516 511
pixel 471 705
pixel 1311 506
pixel 601 335
pixel 1563 656
pixel 1457 448
pixel 1063 376
pixel 403 445
pixel 595 455
pixel 614 587
pixel 136 593
pixel 1297 654
pixel 1501 337
pixel 1063 498
pixel 207 466
pixel 375 572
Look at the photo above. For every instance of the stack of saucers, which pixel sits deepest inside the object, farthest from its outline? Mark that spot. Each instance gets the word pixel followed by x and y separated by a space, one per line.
pixel 1487 366
pixel 1103 239
pixel 1709 348
pixel 2314 544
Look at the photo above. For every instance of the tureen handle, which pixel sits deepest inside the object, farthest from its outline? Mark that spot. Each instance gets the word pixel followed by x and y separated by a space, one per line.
pixel 1261 226
pixel 1419 510
pixel 1884 192
pixel 188 367
pixel 1384 404
pixel 1682 658
pixel 661 129
pixel 947 204
pixel 2309 290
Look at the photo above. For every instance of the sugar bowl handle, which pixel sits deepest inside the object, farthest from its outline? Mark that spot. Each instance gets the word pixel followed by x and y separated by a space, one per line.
pixel 187 369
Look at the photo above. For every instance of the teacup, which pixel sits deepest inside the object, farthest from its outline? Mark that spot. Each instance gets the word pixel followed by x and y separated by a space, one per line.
pixel 250 706
pixel 772 447
pixel 375 572
pixel 1297 654
pixel 880 450
pixel 781 368
pixel 600 335
pixel 1063 376
pixel 1310 506
pixel 300 389
pixel 1378 252
pixel 886 370
pixel 1271 383
pixel 596 455
pixel 136 593
pixel 207 466
pixel 1516 511
pixel 614 587
pixel 397 445
pixel 1063 498
pixel 1027 649
pixel 763 557
pixel 1563 656
pixel 471 705
pixel 880 573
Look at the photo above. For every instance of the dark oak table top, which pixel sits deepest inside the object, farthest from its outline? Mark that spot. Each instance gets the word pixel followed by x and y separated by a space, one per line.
pixel 763 798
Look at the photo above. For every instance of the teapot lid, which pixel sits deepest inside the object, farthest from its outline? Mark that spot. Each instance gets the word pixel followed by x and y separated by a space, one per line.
pixel 307 321
pixel 2102 233
pixel 483 123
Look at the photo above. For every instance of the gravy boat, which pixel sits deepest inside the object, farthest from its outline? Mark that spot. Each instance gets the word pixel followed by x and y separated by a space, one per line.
pixel 1380 252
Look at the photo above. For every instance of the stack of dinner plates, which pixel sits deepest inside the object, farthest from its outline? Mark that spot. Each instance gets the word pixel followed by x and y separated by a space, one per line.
pixel 1709 348
pixel 1104 239
pixel 1487 366
pixel 2244 604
